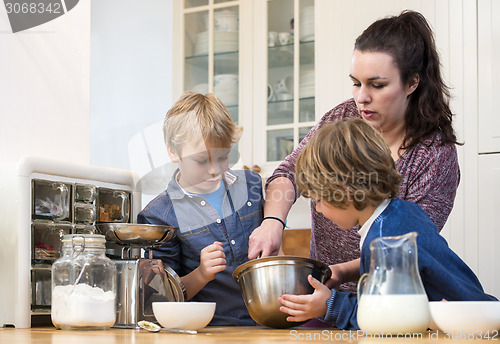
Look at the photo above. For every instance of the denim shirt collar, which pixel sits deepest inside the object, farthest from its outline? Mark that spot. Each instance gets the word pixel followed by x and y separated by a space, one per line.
pixel 177 192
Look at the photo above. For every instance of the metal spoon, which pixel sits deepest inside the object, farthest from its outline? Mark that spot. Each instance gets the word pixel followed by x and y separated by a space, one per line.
pixel 152 327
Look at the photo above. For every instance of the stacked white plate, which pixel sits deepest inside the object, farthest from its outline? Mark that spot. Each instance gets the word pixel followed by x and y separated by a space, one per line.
pixel 306 84
pixel 307 23
pixel 226 88
pixel 223 41
pixel 224 20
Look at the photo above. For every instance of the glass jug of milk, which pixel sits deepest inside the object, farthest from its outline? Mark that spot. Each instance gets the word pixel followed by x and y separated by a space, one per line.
pixel 391 297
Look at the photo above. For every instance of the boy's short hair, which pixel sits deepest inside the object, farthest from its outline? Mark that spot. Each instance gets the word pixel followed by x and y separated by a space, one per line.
pixel 347 160
pixel 196 116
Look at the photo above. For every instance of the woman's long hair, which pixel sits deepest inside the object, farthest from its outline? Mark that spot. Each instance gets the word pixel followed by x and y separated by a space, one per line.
pixel 409 39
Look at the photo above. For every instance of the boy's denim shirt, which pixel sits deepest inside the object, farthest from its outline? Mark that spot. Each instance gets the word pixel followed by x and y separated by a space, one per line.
pixel 198 225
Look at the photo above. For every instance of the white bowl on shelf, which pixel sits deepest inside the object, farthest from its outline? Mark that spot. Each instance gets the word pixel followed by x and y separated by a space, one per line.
pixel 306 84
pixel 307 9
pixel 228 95
pixel 307 13
pixel 224 20
pixel 226 79
pixel 307 38
pixel 223 42
pixel 307 23
pixel 307 34
pixel 306 92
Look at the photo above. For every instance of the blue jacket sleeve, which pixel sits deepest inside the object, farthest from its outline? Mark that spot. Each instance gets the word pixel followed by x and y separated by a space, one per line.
pixel 445 275
pixel 341 310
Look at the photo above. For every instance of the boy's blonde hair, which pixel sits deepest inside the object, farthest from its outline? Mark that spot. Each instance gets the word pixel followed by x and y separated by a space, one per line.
pixel 347 161
pixel 195 116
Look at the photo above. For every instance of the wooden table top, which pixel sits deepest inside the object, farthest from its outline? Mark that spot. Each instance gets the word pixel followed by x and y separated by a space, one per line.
pixel 218 335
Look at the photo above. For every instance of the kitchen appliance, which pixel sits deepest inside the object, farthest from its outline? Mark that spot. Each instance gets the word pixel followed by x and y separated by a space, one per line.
pixel 141 281
pixel 44 199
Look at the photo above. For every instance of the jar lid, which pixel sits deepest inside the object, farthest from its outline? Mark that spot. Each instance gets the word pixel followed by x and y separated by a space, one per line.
pixel 87 238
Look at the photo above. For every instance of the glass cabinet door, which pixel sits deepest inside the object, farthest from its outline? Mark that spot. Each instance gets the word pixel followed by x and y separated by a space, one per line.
pixel 290 75
pixel 211 52
pixel 258 57
pixel 211 46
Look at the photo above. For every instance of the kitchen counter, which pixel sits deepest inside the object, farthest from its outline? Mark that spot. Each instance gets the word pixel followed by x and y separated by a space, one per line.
pixel 215 335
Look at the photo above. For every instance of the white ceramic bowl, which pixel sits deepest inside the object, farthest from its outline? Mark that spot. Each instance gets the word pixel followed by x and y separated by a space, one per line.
pixel 226 79
pixel 223 41
pixel 224 20
pixel 184 315
pixel 463 316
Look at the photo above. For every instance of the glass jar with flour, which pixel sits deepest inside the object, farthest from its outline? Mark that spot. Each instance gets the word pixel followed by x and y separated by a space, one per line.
pixel 83 284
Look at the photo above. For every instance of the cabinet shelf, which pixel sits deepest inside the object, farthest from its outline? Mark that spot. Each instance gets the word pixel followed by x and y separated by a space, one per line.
pixel 305 99
pixel 282 55
pixel 281 111
pixel 225 62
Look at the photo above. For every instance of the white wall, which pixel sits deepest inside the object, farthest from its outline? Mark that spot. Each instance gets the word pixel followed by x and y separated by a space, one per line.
pixel 44 88
pixel 131 87
pixel 130 83
pixel 84 86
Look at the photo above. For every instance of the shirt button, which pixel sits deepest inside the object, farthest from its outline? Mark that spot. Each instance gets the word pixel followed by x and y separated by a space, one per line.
pixel 218 221
pixel 203 202
pixel 233 242
pixel 249 204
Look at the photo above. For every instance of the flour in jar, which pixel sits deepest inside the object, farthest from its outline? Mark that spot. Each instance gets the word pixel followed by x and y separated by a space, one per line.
pixel 82 306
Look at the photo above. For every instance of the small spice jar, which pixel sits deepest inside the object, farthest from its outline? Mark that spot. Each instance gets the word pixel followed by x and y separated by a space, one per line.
pixel 83 284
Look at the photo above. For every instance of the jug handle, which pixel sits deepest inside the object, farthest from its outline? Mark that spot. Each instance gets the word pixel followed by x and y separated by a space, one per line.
pixel 361 284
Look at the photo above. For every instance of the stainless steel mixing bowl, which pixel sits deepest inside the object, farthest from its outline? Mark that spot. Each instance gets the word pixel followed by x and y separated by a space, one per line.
pixel 263 280
pixel 136 234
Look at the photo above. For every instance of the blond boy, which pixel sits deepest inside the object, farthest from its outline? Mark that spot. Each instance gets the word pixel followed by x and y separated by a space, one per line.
pixel 213 208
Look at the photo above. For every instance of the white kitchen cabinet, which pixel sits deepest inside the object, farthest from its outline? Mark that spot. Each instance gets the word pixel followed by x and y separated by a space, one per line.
pixel 488 129
pixel 237 62
pixel 488 37
pixel 209 56
pixel 285 73
pixel 489 222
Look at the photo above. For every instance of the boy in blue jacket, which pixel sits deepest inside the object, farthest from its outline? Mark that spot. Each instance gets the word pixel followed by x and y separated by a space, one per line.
pixel 348 171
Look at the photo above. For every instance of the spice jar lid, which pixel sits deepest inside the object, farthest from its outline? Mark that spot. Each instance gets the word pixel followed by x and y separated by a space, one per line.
pixel 81 238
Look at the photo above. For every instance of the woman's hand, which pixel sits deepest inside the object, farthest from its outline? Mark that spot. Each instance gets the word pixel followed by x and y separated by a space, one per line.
pixel 265 240
pixel 305 307
pixel 212 261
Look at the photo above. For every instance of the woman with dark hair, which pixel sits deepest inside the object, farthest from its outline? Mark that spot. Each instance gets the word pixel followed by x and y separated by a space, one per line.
pixel 398 89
